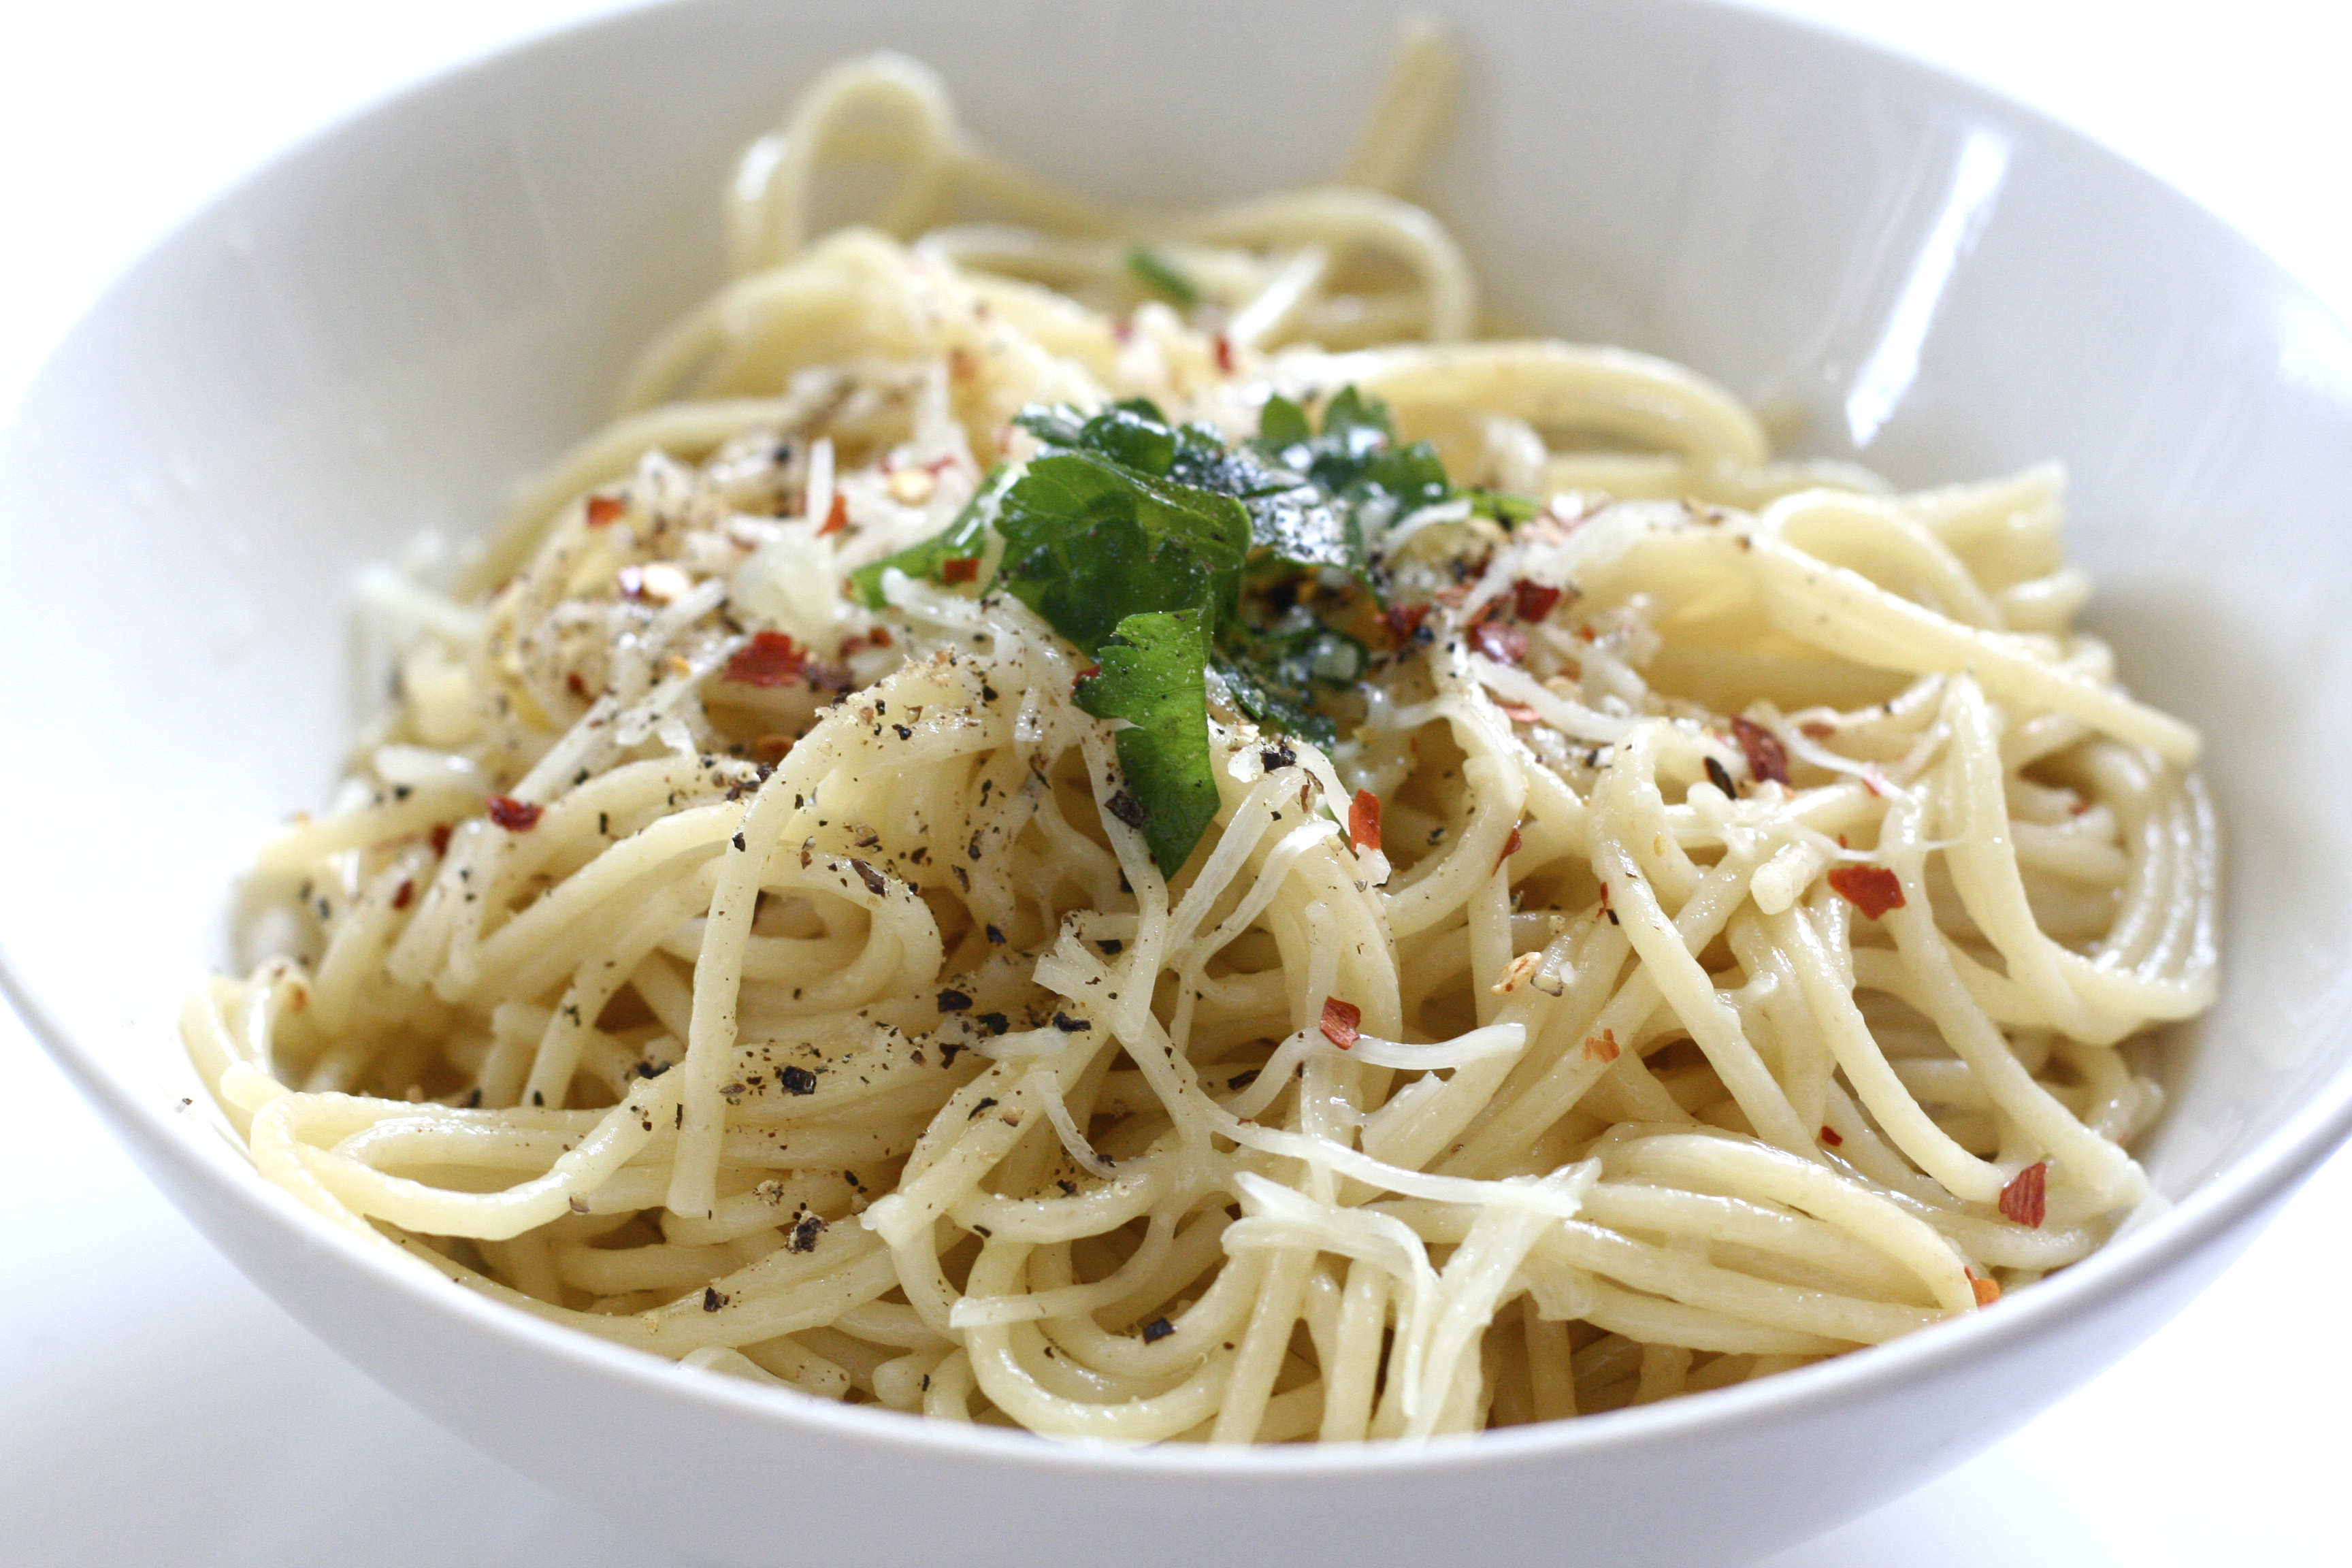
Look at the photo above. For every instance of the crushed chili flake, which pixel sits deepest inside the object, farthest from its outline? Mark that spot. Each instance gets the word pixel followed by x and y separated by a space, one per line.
pixel 1519 713
pixel 1533 600
pixel 440 839
pixel 1767 760
pixel 1503 644
pixel 514 815
pixel 2026 1198
pixel 604 510
pixel 1224 348
pixel 1602 1047
pixel 769 659
pixel 1404 620
pixel 1083 675
pixel 1830 1136
pixel 1341 1021
pixel 1987 1291
pixel 878 638
pixel 1510 848
pixel 407 891
pixel 1364 821
pixel 1872 890
pixel 960 569
pixel 837 518
pixel 574 685
pixel 1819 730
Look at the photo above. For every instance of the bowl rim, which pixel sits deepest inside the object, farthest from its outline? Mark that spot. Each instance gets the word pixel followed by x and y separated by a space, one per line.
pixel 2153 1243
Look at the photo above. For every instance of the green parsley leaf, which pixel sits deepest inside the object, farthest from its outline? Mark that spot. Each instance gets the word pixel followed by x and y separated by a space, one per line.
pixel 1088 543
pixel 1152 676
pixel 965 539
pixel 1150 269
pixel 1270 693
pixel 1356 457
pixel 1508 510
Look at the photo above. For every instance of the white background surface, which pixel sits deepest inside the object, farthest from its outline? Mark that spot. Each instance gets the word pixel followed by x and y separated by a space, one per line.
pixel 154 1408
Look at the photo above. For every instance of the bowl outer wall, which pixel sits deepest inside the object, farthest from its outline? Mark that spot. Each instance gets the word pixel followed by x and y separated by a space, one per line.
pixel 159 434
pixel 711 1466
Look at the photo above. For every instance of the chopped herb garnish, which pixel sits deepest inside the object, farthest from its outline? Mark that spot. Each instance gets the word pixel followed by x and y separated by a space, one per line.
pixel 1152 270
pixel 1151 676
pixel 941 557
pixel 1163 553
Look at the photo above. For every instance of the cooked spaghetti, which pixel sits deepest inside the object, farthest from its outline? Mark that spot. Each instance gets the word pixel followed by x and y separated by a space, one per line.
pixel 1108 824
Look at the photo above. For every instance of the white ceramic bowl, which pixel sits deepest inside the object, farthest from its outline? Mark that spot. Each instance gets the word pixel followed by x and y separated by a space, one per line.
pixel 381 331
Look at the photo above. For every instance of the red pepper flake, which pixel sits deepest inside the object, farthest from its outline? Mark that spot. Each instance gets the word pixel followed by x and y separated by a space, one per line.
pixel 878 638
pixel 1084 674
pixel 2025 1200
pixel 407 891
pixel 1510 848
pixel 1830 1136
pixel 1820 730
pixel 838 518
pixel 1602 1047
pixel 1364 821
pixel 1404 620
pixel 1987 1291
pixel 1341 1021
pixel 440 839
pixel 1122 330
pixel 514 815
pixel 1533 601
pixel 1519 713
pixel 1224 348
pixel 1503 644
pixel 1767 760
pixel 960 569
pixel 769 659
pixel 604 510
pixel 574 685
pixel 1872 890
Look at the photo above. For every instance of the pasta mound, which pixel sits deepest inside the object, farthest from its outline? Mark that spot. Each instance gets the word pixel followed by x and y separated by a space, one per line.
pixel 1718 925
